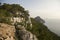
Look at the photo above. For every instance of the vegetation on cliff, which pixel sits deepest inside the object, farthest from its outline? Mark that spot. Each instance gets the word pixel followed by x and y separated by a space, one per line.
pixel 39 29
pixel 8 11
pixel 42 32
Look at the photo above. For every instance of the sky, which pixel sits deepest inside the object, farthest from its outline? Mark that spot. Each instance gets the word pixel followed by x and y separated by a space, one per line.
pixel 46 9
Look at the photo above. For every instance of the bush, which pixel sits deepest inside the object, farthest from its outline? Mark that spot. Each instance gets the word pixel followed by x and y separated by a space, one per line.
pixel 5 20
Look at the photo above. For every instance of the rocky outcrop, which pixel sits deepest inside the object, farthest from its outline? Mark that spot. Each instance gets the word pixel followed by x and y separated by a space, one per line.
pixel 23 34
pixel 38 19
pixel 7 32
pixel 17 29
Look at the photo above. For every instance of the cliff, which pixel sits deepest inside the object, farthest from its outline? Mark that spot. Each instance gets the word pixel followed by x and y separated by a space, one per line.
pixel 19 19
pixel 38 19
pixel 16 24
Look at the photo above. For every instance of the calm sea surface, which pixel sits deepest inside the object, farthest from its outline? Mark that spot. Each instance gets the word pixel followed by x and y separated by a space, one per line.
pixel 53 25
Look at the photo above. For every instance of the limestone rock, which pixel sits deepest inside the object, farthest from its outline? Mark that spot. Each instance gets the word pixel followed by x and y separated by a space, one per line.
pixel 24 34
pixel 7 32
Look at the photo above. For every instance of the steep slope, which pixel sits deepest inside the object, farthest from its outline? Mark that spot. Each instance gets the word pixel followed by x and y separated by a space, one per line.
pixel 24 27
pixel 42 32
pixel 15 15
pixel 23 34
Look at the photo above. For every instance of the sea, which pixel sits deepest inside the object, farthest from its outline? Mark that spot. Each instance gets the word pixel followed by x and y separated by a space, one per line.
pixel 53 25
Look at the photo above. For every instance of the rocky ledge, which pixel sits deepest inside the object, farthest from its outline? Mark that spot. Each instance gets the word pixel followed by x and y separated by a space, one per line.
pixel 9 32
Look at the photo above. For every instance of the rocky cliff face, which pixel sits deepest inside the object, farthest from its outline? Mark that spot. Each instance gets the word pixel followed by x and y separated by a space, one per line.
pixel 19 21
pixel 9 32
pixel 24 34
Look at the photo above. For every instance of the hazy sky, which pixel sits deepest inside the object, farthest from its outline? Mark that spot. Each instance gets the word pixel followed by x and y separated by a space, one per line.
pixel 44 8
